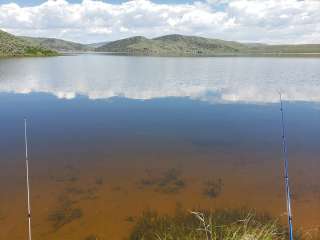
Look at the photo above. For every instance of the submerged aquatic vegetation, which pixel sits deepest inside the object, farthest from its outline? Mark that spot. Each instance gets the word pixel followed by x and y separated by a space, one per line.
pixel 99 180
pixel 130 219
pixel 116 188
pixel 236 224
pixel 66 178
pixel 169 181
pixel 68 174
pixel 92 237
pixel 213 188
pixel 64 214
pixel 77 193
pixel 62 217
pixel 2 217
pixel 74 191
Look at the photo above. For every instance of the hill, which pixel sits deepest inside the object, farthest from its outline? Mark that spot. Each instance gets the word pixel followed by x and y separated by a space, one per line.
pixel 171 45
pixel 179 45
pixel 286 49
pixel 96 45
pixel 11 45
pixel 58 44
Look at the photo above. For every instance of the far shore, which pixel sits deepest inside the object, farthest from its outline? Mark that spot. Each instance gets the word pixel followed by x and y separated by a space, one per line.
pixel 194 56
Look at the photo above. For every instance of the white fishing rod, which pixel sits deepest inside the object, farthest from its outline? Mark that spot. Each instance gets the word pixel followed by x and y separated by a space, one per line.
pixel 27 178
pixel 286 174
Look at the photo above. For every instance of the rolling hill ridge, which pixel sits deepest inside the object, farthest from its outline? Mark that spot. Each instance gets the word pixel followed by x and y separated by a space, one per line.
pixel 59 44
pixel 180 45
pixel 171 45
pixel 168 45
pixel 11 46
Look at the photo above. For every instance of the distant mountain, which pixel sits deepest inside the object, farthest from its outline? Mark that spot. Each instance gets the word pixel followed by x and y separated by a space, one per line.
pixel 179 45
pixel 169 45
pixel 96 45
pixel 172 45
pixel 59 45
pixel 11 45
pixel 285 48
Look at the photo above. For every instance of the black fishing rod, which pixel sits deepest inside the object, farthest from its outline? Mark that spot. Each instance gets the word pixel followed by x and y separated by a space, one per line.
pixel 286 175
pixel 27 180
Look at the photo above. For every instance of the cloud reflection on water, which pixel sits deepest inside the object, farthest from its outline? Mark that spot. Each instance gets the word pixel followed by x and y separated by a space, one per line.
pixel 248 80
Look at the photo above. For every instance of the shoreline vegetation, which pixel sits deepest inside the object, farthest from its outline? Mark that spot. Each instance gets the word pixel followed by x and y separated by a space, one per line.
pixel 173 45
pixel 229 224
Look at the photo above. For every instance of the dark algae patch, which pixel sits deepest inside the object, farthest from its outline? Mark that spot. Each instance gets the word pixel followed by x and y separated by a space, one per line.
pixel 213 188
pixel 65 213
pixel 2 217
pixel 68 174
pixel 91 193
pixel 61 217
pixel 75 191
pixel 92 237
pixel 169 181
pixel 99 180
pixel 205 225
pixel 67 209
pixel 130 219
pixel 65 179
pixel 116 188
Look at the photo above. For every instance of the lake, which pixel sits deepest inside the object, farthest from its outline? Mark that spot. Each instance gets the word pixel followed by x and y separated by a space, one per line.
pixel 112 136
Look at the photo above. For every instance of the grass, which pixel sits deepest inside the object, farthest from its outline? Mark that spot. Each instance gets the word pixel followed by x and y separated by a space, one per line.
pixel 235 224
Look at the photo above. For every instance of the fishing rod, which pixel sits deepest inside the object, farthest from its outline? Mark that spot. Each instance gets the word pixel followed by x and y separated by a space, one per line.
pixel 286 175
pixel 27 178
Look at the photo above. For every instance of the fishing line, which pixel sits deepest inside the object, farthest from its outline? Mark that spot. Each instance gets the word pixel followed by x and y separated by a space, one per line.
pixel 27 180
pixel 286 175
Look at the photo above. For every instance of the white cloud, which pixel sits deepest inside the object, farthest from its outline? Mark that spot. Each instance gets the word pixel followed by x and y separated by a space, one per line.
pixel 274 21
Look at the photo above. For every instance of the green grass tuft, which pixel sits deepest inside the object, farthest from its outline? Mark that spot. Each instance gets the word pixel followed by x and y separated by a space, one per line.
pixel 237 224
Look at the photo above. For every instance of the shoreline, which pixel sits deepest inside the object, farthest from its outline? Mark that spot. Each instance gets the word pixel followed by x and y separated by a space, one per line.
pixel 127 54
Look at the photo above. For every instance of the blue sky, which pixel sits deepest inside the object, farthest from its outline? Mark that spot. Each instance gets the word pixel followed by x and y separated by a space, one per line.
pixel 87 21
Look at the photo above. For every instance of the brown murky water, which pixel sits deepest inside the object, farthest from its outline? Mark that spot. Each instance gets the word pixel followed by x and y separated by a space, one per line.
pixel 86 185
pixel 98 164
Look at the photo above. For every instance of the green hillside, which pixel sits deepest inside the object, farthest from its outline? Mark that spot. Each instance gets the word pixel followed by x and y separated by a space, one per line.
pixel 169 45
pixel 179 45
pixel 286 49
pixel 59 45
pixel 172 45
pixel 11 45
